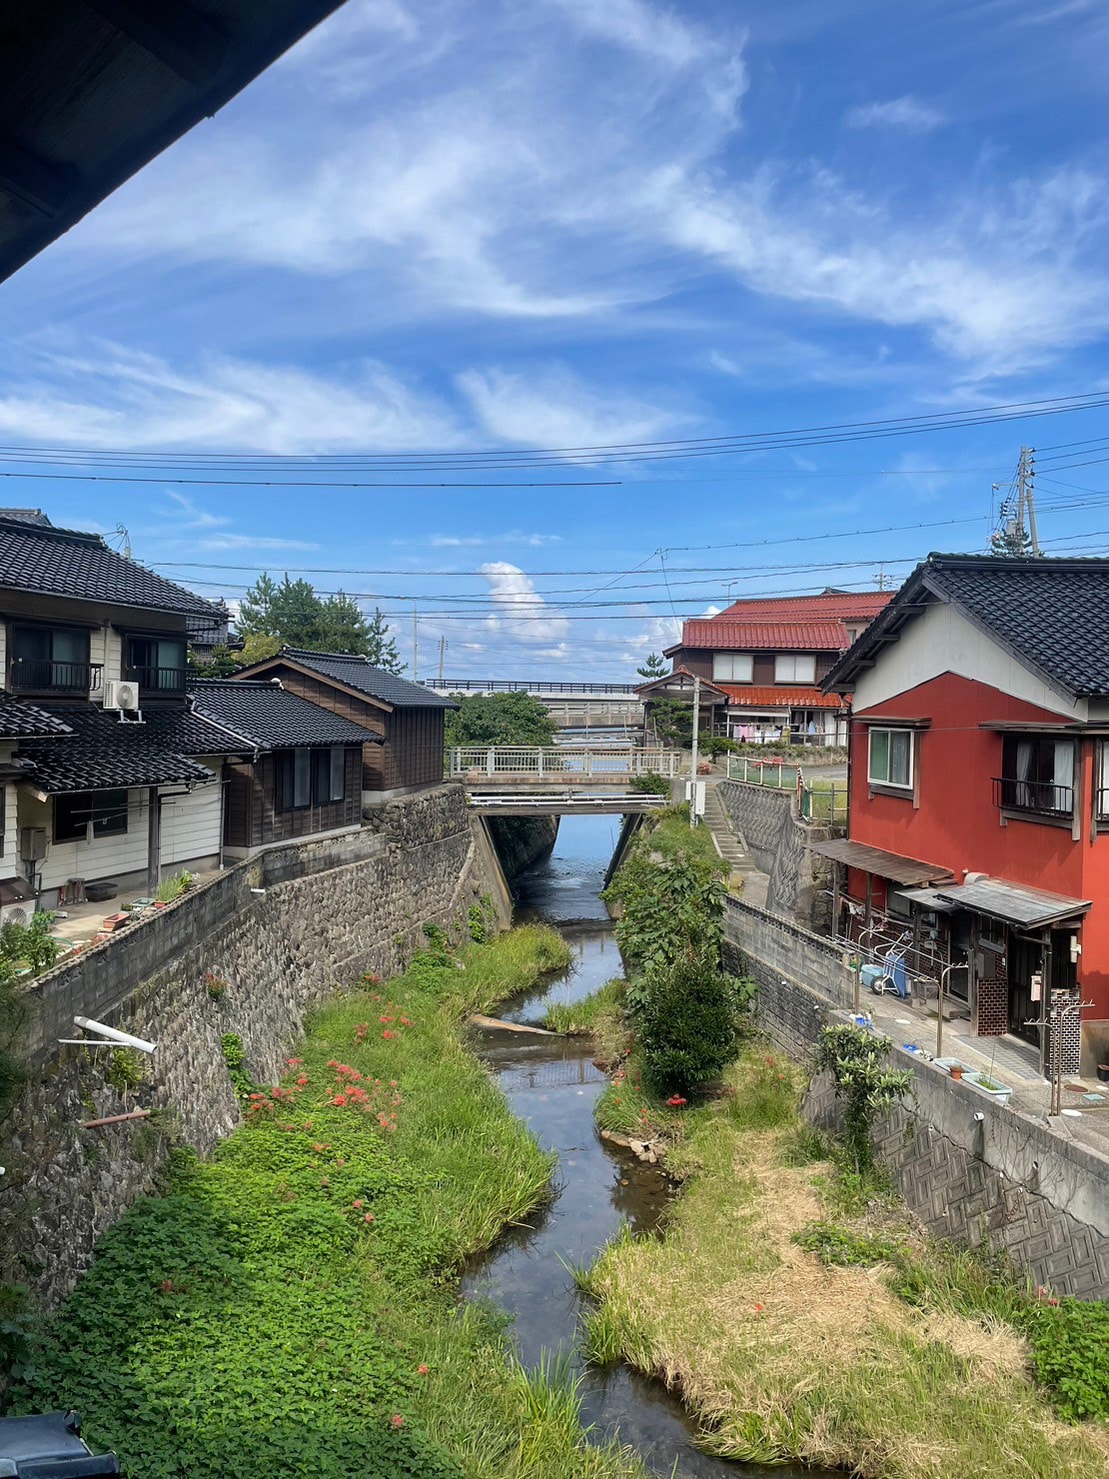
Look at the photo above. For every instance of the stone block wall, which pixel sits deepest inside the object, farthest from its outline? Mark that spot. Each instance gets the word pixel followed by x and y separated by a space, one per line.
pixel 330 911
pixel 779 842
pixel 971 1170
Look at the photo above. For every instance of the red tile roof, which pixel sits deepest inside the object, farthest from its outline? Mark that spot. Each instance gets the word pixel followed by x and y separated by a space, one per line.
pixel 846 605
pixel 748 696
pixel 768 636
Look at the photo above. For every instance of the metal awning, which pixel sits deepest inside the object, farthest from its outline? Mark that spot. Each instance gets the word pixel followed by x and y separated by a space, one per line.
pixel 884 864
pixel 1014 903
pixel 927 898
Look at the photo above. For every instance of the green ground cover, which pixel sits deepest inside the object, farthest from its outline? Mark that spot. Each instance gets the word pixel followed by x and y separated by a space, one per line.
pixel 802 1316
pixel 288 1306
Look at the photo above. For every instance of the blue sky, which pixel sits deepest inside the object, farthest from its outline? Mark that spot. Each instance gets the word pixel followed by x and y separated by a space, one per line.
pixel 439 226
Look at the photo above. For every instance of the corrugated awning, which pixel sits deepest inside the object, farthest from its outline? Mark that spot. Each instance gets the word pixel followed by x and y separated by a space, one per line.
pixel 1015 903
pixel 884 864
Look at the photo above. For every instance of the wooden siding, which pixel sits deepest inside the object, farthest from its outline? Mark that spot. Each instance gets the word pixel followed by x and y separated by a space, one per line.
pixel 412 754
pixel 251 818
pixel 191 822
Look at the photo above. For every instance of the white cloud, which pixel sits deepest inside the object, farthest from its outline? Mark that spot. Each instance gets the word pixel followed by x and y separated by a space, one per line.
pixel 553 408
pixel 647 29
pixel 908 114
pixel 522 612
pixel 118 398
pixel 513 536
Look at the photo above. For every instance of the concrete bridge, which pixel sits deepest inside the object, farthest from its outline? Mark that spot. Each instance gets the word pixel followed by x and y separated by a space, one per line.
pixel 570 703
pixel 515 780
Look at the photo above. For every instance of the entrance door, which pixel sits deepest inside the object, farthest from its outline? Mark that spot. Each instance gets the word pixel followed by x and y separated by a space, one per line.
pixel 1025 961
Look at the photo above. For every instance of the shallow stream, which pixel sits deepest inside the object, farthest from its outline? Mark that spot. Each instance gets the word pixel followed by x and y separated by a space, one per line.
pixel 552 1085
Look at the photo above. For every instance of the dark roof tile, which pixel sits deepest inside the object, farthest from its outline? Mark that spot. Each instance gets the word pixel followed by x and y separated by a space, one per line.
pixel 19 720
pixel 103 752
pixel 358 672
pixel 69 562
pixel 271 718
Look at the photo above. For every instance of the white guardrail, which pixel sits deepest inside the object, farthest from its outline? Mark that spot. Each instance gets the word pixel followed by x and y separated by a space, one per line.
pixel 478 763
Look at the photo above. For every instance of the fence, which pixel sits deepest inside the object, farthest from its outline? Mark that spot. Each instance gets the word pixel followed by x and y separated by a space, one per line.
pixel 818 800
pixel 477 763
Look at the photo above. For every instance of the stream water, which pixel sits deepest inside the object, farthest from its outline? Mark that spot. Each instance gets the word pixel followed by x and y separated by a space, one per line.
pixel 552 1085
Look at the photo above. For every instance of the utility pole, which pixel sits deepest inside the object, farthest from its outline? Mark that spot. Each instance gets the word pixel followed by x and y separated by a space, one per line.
pixel 415 645
pixel 1027 475
pixel 1015 530
pixel 693 752
pixel 442 651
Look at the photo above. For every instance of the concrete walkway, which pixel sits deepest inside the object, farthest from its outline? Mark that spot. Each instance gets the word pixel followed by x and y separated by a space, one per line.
pixel 744 878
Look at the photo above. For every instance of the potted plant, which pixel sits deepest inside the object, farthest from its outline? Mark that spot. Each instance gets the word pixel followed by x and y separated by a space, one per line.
pixel 956 1071
pixel 1103 1073
pixel 988 1086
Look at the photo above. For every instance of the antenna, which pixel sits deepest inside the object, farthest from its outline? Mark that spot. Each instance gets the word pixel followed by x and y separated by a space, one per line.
pixel 125 536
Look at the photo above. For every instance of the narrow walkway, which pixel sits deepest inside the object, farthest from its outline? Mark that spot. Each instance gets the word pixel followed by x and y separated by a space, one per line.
pixel 744 878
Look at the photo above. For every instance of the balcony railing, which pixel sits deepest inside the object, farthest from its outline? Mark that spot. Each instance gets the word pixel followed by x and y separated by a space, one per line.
pixel 1037 798
pixel 42 675
pixel 156 680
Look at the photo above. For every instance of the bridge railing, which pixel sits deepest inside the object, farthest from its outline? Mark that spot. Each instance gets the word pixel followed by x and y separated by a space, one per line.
pixel 561 688
pixel 484 762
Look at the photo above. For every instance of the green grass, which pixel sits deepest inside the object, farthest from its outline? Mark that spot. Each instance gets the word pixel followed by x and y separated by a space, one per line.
pixel 288 1306
pixel 787 1352
pixel 586 1017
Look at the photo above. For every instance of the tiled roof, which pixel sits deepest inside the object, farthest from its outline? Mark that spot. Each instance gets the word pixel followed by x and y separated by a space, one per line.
pixel 841 605
pixel 69 562
pixel 766 636
pixel 103 752
pixel 748 696
pixel 358 672
pixel 1051 614
pixel 685 678
pixel 270 718
pixel 18 719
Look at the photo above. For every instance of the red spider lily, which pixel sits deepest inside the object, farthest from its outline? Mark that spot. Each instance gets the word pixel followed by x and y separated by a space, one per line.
pixel 676 1101
pixel 339 1101
pixel 369 1217
pixel 387 1033
pixel 396 1421
pixel 422 1369
pixel 358 1205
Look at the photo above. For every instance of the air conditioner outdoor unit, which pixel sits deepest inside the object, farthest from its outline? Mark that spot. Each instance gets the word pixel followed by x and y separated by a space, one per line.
pixel 32 844
pixel 122 696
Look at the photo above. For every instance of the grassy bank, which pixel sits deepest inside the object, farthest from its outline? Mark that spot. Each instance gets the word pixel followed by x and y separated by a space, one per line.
pixel 784 1350
pixel 287 1306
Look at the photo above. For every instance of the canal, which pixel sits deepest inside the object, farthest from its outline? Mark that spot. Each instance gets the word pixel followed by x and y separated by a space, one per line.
pixel 552 1084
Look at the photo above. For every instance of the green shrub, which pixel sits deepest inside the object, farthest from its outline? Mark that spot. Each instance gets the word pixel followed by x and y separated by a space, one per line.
pixel 125 1069
pixel 686 1019
pixel 651 784
pixel 231 1045
pixel 717 745
pixel 865 1084
pixel 1070 1351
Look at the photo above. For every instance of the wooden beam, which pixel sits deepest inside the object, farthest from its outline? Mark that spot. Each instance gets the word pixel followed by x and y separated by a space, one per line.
pixel 180 37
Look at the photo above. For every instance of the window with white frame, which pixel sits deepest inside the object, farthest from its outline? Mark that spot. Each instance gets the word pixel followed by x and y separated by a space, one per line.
pixel 890 761
pixel 732 667
pixel 795 667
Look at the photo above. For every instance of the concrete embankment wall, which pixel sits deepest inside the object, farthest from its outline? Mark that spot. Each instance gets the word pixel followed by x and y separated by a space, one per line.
pixel 328 912
pixel 971 1170
pixel 779 842
pixel 521 842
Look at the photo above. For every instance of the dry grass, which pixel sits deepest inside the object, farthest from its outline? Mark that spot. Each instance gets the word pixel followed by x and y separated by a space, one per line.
pixel 781 1356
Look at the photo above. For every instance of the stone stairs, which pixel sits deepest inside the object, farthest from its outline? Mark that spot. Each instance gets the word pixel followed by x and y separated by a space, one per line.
pixel 744 877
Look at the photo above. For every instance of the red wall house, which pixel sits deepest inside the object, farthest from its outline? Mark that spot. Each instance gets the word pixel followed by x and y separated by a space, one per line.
pixel 976 782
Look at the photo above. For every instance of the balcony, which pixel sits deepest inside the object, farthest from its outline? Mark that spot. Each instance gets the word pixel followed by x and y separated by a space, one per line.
pixel 44 676
pixel 154 682
pixel 1033 798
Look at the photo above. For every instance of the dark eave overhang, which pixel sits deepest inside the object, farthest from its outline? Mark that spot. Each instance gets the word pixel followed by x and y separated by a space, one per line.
pixel 268 664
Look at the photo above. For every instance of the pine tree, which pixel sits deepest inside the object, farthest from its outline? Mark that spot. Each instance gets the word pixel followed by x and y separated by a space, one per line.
pixel 292 614
pixel 381 648
pixel 654 667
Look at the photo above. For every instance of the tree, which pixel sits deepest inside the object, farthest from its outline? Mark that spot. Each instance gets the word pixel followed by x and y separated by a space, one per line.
pixel 500 719
pixel 672 721
pixel 293 614
pixel 654 667
pixel 218 663
pixel 1013 541
pixel 686 1022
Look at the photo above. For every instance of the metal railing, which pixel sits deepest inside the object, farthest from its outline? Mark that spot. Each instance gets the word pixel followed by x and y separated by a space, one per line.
pixel 1039 798
pixel 478 763
pixel 818 800
pixel 559 687
pixel 42 675
pixel 156 680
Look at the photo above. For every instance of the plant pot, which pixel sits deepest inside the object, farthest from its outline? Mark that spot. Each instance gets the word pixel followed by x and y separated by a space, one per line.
pixel 161 903
pixel 1103 1073
pixel 956 1070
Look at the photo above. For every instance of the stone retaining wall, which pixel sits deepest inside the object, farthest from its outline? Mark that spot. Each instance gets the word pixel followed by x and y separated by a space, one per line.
pixel 329 912
pixel 972 1170
pixel 779 842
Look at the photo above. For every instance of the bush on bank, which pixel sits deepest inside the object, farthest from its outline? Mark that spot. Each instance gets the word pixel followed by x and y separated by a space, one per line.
pixel 286 1307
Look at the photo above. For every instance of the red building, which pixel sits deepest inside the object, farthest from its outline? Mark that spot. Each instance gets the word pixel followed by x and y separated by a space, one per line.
pixel 766 660
pixel 979 794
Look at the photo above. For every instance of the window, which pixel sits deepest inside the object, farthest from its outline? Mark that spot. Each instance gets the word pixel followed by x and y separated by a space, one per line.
pixel 50 658
pixel 732 667
pixel 87 815
pixel 1037 775
pixel 155 663
pixel 891 758
pixel 315 777
pixel 793 667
